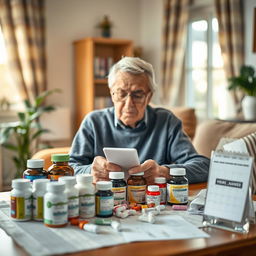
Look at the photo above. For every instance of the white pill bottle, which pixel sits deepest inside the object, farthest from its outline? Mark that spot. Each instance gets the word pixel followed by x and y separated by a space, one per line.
pixel 21 200
pixel 86 195
pixel 55 205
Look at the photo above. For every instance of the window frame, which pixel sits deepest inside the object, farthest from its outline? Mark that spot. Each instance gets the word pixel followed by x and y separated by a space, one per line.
pixel 200 13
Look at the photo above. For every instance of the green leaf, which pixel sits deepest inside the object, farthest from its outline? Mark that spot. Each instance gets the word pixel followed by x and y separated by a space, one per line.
pixel 22 116
pixel 27 104
pixel 5 134
pixel 39 100
pixel 38 133
pixel 10 146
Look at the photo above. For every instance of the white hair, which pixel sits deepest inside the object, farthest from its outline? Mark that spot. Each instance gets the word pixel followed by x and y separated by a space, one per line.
pixel 135 66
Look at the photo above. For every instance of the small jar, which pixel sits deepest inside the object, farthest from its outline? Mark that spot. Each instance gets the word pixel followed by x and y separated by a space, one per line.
pixel 55 205
pixel 104 199
pixel 161 183
pixel 177 187
pixel 136 187
pixel 21 200
pixel 153 196
pixel 86 195
pixel 35 170
pixel 72 194
pixel 60 167
pixel 118 187
pixel 38 192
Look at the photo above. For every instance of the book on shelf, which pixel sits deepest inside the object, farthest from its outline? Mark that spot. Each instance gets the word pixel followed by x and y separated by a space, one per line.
pixel 102 66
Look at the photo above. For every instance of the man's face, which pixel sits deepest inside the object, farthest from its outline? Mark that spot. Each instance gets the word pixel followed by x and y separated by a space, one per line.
pixel 130 95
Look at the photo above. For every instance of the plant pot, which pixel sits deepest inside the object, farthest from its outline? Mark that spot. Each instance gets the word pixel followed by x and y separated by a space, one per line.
pixel 249 107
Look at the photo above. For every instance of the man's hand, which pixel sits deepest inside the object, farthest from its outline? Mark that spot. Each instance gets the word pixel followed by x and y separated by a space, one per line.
pixel 151 170
pixel 101 167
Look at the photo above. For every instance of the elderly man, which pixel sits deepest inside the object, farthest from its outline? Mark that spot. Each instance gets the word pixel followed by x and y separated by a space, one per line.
pixel 155 132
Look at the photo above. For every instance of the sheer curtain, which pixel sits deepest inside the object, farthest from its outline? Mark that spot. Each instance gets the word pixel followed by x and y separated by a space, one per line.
pixel 230 18
pixel 176 14
pixel 23 26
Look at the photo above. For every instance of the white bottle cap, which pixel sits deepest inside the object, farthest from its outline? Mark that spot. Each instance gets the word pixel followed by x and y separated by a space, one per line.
pixel 35 163
pixel 91 228
pixel 55 187
pixel 104 185
pixel 68 180
pixel 84 178
pixel 21 183
pixel 138 174
pixel 40 184
pixel 160 180
pixel 153 188
pixel 116 175
pixel 178 171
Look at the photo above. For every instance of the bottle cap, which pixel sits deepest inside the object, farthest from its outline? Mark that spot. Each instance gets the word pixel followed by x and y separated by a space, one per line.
pixel 55 187
pixel 21 183
pixel 104 185
pixel 153 188
pixel 178 171
pixel 160 180
pixel 40 184
pixel 84 178
pixel 68 180
pixel 116 175
pixel 138 174
pixel 35 163
pixel 60 158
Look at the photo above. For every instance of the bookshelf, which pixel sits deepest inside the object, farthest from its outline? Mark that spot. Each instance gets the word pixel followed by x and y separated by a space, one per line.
pixel 93 58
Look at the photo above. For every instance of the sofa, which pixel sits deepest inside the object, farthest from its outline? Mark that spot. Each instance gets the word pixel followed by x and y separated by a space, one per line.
pixel 205 136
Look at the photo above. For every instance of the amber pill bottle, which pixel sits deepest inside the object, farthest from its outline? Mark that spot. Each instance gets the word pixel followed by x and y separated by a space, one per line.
pixel 60 167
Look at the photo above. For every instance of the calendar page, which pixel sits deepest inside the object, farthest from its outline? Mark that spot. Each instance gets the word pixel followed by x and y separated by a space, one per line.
pixel 228 185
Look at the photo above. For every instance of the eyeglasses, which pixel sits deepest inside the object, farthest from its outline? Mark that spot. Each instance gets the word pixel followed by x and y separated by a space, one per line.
pixel 137 96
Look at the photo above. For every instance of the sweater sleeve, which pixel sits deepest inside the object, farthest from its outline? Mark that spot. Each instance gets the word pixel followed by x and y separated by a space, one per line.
pixel 81 152
pixel 183 154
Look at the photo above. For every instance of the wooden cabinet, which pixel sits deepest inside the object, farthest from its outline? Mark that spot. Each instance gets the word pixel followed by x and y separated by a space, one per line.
pixel 88 86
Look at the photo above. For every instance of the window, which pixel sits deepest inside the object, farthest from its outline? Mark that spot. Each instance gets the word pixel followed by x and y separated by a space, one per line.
pixel 205 78
pixel 9 97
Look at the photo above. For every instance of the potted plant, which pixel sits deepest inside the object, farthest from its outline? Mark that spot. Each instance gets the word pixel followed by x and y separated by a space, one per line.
pixel 25 132
pixel 246 81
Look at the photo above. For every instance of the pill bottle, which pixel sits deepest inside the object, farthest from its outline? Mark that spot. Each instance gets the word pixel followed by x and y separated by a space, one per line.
pixel 72 194
pixel 104 199
pixel 21 200
pixel 55 205
pixel 38 192
pixel 136 188
pixel 60 167
pixel 86 195
pixel 118 187
pixel 35 170
pixel 177 187
pixel 161 183
pixel 153 196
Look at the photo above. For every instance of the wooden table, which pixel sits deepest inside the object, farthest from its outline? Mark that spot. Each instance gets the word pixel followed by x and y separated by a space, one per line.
pixel 220 243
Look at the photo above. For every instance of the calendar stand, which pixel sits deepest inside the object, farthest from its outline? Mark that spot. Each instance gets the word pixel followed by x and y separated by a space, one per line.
pixel 240 227
pixel 229 203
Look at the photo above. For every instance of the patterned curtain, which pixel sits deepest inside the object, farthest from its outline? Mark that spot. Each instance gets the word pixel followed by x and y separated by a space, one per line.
pixel 23 26
pixel 231 38
pixel 174 45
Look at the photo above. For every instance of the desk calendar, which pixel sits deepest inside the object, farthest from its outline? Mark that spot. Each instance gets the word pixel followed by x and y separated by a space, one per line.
pixel 228 201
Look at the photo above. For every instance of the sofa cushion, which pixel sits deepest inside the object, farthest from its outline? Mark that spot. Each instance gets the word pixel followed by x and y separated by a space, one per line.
pixel 210 132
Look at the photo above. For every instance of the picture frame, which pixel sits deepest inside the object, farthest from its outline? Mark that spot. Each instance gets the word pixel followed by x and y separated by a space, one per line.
pixel 254 32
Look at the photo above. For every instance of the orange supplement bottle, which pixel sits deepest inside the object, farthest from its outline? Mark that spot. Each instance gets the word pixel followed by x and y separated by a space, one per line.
pixel 136 188
pixel 60 167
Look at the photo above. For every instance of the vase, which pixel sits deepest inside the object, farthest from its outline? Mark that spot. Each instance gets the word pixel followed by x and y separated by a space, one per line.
pixel 249 107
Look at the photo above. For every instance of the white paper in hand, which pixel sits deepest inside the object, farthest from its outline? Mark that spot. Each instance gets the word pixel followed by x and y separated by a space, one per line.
pixel 124 157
